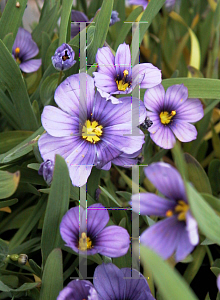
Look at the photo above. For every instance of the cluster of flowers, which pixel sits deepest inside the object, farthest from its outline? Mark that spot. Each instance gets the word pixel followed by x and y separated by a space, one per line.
pixel 92 127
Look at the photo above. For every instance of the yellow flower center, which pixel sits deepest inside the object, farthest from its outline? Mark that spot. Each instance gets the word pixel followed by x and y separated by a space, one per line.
pixel 17 50
pixel 181 209
pixel 122 84
pixel 166 117
pixel 91 131
pixel 84 242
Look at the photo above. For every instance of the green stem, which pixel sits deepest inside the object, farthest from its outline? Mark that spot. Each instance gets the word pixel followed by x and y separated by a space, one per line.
pixel 60 78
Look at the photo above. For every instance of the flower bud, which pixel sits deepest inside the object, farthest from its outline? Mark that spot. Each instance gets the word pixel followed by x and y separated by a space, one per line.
pixel 46 169
pixel 63 58
pixel 22 259
pixel 114 18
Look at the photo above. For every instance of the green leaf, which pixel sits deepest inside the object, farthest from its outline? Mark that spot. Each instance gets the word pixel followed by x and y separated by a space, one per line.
pixel 8 41
pixel 10 139
pixel 125 195
pixel 215 143
pixel 46 24
pixel 101 29
pixel 52 281
pixel 8 111
pixel 46 41
pixel 35 267
pixel 197 175
pixel 205 216
pixel 8 203
pixel 109 195
pixel 48 88
pixel 57 206
pixel 149 14
pixel 165 277
pixel 11 76
pixel 212 201
pixel 24 287
pixel 179 159
pixel 22 149
pixel 65 14
pixel 8 183
pixel 29 224
pixel 214 175
pixel 3 251
pixel 126 27
pixel 193 267
pixel 197 87
pixel 11 18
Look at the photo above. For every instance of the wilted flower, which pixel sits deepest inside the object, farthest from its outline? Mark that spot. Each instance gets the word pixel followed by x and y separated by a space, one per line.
pixel 111 241
pixel 78 16
pixel 114 74
pixel 88 130
pixel 178 232
pixel 46 169
pixel 110 283
pixel 63 58
pixel 23 50
pixel 171 114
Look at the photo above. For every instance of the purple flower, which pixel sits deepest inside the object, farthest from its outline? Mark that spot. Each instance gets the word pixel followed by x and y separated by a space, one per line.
pixel 171 114
pixel 63 58
pixel 110 283
pixel 114 74
pixel 23 50
pixel 46 169
pixel 78 16
pixel 111 241
pixel 88 130
pixel 144 3
pixel 218 282
pixel 178 232
pixel 78 290
pixel 169 4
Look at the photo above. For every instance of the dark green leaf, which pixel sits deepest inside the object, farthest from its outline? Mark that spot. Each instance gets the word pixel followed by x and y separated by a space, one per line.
pixel 65 14
pixel 11 76
pixel 214 175
pixel 8 183
pixel 57 206
pixel 8 203
pixel 52 281
pixel 165 277
pixel 10 139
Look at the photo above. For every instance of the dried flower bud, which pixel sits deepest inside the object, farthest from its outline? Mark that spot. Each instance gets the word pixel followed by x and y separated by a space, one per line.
pixel 22 259
pixel 46 169
pixel 63 58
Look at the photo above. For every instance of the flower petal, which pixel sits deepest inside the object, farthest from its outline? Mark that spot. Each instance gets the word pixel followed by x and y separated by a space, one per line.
pixel 49 146
pixel 108 281
pixel 184 246
pixel 78 290
pixel 162 136
pixel 190 111
pixel 97 219
pixel 192 229
pixel 147 75
pixel 69 99
pixel 151 204
pixel 105 152
pixel 28 47
pixel 106 62
pixel 154 98
pixel 185 132
pixel 113 241
pixel 30 65
pixel 175 96
pixel 69 228
pixel 126 160
pixel 58 123
pixel 136 288
pixel 163 237
pixel 123 60
pixel 167 180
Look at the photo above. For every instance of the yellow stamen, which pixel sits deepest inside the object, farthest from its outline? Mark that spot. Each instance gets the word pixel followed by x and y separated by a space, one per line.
pixel 122 84
pixel 169 213
pixel 91 131
pixel 17 50
pixel 182 209
pixel 166 117
pixel 85 242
